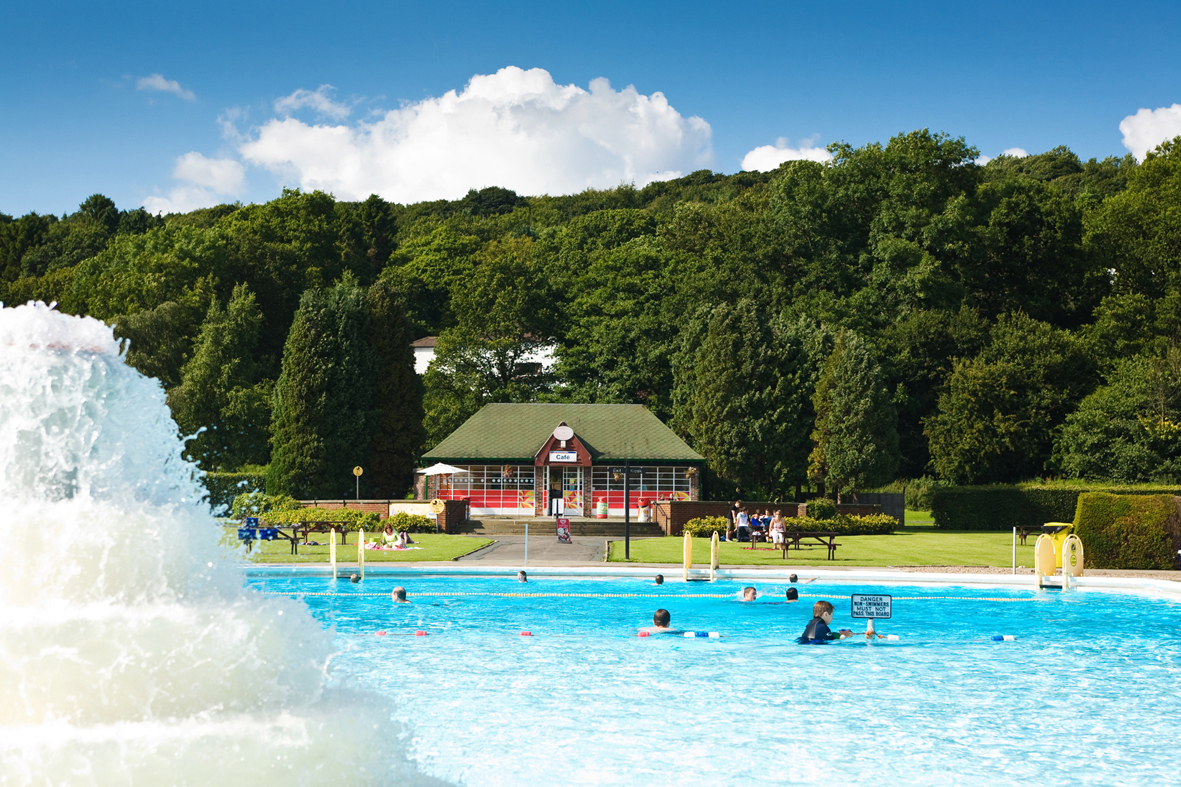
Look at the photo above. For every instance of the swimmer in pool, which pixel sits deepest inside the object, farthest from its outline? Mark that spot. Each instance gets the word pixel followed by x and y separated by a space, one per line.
pixel 793 595
pixel 793 578
pixel 818 631
pixel 354 578
pixel 521 577
pixel 659 579
pixel 660 623
pixel 399 595
pixel 749 594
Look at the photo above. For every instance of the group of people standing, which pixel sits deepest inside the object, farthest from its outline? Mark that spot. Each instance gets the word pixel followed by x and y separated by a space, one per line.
pixel 751 526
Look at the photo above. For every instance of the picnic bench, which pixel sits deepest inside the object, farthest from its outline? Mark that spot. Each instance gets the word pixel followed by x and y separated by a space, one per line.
pixel 810 538
pixel 296 533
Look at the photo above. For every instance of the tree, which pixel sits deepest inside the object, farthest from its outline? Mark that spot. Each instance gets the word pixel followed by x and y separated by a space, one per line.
pixel 160 338
pixel 856 436
pixel 1128 430
pixel 997 415
pixel 389 469
pixel 503 319
pixel 1137 234
pixel 18 237
pixel 219 391
pixel 323 417
pixel 918 353
pixel 742 395
pixel 1016 245
pixel 622 328
pixel 431 267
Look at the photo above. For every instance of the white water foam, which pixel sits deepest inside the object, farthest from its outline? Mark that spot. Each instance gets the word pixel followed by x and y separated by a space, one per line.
pixel 130 653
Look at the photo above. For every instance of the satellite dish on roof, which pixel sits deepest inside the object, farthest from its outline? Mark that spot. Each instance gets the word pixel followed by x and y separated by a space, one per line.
pixel 563 433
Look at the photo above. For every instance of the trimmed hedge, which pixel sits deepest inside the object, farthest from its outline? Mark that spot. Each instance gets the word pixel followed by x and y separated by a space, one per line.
pixel 412 523
pixel 1128 531
pixel 845 525
pixel 348 518
pixel 872 525
pixel 706 526
pixel 1004 507
pixel 261 504
pixel 224 487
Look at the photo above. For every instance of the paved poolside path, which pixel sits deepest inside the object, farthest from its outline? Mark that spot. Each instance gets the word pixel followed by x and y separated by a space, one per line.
pixel 544 550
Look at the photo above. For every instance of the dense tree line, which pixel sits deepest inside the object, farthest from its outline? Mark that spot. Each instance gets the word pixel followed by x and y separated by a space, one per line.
pixel 900 311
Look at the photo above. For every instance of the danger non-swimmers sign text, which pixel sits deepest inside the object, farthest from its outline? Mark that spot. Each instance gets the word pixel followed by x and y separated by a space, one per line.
pixel 875 607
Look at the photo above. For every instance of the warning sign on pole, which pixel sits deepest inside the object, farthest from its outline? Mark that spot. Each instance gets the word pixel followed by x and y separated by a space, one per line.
pixel 872 607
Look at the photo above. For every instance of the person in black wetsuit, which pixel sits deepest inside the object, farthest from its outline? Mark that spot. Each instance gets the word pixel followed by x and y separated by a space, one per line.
pixel 817 630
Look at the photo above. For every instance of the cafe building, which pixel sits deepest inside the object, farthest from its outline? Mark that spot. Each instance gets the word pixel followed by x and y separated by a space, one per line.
pixel 533 459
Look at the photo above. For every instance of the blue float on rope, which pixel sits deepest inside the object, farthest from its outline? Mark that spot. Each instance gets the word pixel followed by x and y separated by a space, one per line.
pixel 709 634
pixel 1003 638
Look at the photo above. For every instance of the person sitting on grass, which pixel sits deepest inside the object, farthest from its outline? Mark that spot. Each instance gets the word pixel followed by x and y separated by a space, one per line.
pixel 389 537
pixel 818 631
pixel 660 623
pixel 404 539
pixel 399 595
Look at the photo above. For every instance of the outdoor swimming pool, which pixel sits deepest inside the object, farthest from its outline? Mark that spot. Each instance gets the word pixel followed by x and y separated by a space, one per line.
pixel 1087 692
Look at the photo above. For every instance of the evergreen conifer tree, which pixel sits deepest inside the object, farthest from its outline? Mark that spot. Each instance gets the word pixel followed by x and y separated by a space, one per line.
pixel 389 470
pixel 856 434
pixel 323 400
pixel 218 390
pixel 742 395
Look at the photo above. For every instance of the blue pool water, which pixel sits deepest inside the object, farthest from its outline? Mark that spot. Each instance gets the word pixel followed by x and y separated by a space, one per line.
pixel 1087 692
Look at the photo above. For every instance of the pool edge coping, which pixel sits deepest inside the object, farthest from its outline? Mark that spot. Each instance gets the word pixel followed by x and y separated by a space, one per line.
pixel 675 574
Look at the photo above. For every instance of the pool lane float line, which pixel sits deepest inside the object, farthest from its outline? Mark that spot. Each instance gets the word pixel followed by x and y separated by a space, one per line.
pixel 400 634
pixel 1003 638
pixel 701 634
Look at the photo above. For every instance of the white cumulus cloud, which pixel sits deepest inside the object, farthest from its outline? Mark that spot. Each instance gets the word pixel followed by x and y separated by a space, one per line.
pixel 1014 152
pixel 517 129
pixel 318 100
pixel 769 157
pixel 157 82
pixel 1150 127
pixel 205 182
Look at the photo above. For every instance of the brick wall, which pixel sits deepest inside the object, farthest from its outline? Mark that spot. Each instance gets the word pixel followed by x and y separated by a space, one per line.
pixel 379 507
pixel 672 515
pixel 454 513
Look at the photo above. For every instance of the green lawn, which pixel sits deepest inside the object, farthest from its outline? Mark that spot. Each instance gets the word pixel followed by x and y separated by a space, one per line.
pixel 919 518
pixel 435 546
pixel 920 545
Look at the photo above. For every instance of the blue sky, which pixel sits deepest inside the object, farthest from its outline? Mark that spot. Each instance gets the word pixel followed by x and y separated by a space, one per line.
pixel 113 98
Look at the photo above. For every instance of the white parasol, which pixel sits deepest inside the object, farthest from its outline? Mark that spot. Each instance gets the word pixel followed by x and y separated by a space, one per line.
pixel 441 469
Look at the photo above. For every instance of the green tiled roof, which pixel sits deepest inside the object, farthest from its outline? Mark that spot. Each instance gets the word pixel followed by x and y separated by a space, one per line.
pixel 505 432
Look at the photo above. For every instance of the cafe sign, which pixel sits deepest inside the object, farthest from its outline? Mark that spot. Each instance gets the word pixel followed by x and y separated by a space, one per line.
pixel 563 456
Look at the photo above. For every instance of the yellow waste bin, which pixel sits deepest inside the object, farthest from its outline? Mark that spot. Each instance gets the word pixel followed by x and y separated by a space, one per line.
pixel 1057 531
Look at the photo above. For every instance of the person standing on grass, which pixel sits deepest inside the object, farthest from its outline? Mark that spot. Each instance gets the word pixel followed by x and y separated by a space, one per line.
pixel 743 525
